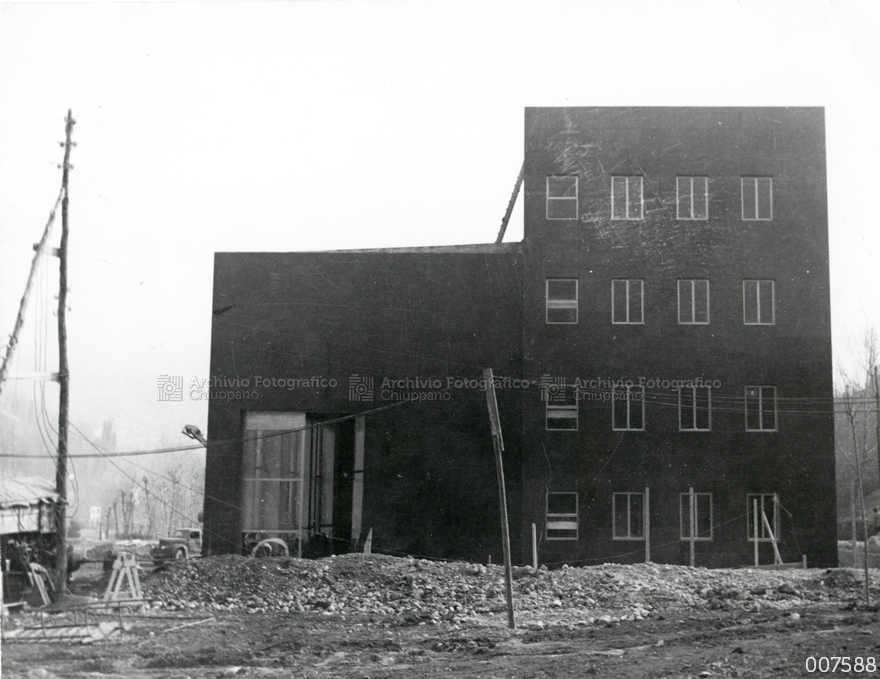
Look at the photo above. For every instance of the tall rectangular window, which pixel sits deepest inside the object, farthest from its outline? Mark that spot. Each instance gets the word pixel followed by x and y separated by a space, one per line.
pixel 627 301
pixel 562 516
pixel 766 505
pixel 562 197
pixel 760 408
pixel 692 197
pixel 627 198
pixel 696 516
pixel 695 409
pixel 693 302
pixel 562 300
pixel 629 516
pixel 273 472
pixel 561 408
pixel 628 408
pixel 759 302
pixel 757 198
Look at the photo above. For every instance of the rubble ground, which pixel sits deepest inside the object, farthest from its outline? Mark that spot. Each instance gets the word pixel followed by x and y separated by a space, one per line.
pixel 381 616
pixel 416 591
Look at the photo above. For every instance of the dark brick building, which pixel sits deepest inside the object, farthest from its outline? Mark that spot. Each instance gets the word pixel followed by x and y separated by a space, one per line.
pixel 660 338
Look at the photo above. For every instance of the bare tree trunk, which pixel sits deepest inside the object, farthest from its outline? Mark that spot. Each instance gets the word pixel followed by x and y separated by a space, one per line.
pixel 851 416
pixel 148 506
pixel 174 476
pixel 865 537
pixel 115 520
pixel 877 413
pixel 852 513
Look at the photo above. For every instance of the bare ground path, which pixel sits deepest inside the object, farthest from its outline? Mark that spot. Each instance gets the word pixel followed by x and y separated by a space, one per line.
pixel 347 617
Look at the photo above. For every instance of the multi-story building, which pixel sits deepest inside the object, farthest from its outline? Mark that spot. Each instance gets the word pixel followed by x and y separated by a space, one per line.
pixel 660 340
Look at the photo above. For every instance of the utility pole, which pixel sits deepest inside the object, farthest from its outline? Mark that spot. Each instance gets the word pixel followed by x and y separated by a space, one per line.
pixel 63 375
pixel 19 320
pixel 498 444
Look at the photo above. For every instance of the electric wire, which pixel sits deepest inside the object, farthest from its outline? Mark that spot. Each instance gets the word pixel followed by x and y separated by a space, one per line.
pixel 535 379
pixel 311 532
pixel 243 439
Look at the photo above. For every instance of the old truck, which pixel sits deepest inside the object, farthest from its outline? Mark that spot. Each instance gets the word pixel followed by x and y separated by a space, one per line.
pixel 185 543
pixel 28 532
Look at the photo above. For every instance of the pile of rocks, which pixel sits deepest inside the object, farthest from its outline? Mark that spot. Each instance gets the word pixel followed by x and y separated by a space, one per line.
pixel 413 591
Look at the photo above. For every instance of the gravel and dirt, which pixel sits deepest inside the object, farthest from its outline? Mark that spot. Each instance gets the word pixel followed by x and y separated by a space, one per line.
pixel 380 616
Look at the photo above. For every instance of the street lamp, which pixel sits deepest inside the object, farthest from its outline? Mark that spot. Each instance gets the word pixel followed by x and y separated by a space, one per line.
pixel 194 433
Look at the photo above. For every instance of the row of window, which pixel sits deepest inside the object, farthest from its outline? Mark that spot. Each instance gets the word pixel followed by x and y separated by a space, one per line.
pixel 694 409
pixel 691 197
pixel 630 516
pixel 628 301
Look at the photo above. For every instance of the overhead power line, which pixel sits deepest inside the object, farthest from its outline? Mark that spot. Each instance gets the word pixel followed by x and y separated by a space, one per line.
pixel 159 451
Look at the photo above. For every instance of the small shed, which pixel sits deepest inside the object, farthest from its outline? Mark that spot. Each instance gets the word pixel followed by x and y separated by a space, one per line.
pixel 27 505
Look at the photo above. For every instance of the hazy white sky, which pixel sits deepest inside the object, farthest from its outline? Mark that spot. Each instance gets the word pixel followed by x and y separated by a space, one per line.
pixel 205 127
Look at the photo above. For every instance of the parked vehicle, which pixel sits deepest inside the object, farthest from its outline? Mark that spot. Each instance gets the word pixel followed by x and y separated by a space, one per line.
pixel 185 543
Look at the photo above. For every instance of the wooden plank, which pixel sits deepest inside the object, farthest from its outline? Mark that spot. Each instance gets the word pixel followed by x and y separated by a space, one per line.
pixel 776 555
pixel 778 566
pixel 368 544
pixel 40 579
pixel 357 491
pixel 692 517
pixel 535 547
pixel 189 624
pixel 647 524
pixel 757 530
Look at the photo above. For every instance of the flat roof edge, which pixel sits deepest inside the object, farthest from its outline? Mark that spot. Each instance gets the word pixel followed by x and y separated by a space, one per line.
pixel 477 248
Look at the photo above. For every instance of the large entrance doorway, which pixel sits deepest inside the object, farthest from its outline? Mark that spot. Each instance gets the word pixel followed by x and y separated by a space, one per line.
pixel 302 481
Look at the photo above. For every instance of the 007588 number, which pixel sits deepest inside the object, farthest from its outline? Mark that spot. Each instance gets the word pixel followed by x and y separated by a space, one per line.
pixel 845 664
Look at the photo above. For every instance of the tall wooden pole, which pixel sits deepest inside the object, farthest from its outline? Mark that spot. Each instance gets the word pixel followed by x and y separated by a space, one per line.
pixel 63 376
pixel 692 522
pixel 498 444
pixel 646 521
pixel 19 320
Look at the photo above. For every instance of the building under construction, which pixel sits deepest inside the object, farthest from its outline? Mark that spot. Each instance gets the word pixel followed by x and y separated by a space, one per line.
pixel 660 341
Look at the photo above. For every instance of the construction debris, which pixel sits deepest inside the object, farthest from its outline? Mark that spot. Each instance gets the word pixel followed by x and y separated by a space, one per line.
pixel 415 591
pixel 85 634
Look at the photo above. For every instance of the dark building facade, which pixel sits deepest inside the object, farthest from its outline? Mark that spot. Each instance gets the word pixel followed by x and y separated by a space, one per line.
pixel 660 340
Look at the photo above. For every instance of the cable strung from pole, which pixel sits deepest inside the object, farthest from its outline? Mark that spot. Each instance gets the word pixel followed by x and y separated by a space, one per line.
pixel 19 320
pixel 244 439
